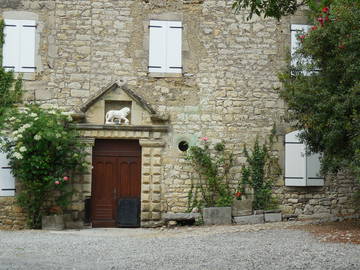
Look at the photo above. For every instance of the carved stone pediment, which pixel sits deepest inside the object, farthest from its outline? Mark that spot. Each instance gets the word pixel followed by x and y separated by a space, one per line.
pixel 116 96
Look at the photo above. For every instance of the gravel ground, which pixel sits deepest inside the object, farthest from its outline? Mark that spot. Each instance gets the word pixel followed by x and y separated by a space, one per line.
pixel 269 246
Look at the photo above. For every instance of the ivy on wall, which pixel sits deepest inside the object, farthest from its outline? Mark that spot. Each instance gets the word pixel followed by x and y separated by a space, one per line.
pixel 10 86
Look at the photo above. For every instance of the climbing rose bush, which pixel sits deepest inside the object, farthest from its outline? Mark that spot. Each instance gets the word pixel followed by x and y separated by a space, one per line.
pixel 322 90
pixel 44 150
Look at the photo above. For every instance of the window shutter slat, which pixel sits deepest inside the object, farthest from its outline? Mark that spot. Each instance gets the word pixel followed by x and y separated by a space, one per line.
pixel 27 46
pixel 7 181
pixel 157 46
pixel 174 47
pixel 11 48
pixel 295 161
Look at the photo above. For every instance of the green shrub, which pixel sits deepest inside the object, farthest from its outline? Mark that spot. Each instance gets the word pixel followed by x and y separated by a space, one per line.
pixel 44 152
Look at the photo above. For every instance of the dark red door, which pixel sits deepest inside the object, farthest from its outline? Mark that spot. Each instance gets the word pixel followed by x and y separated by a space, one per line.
pixel 116 175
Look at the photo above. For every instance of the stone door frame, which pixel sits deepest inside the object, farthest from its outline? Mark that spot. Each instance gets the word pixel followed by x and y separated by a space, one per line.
pixel 152 144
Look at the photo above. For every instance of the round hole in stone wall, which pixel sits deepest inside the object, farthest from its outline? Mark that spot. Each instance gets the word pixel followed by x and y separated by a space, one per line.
pixel 183 146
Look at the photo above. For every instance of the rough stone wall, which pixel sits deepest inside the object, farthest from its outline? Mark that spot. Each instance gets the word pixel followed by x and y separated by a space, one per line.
pixel 12 216
pixel 335 198
pixel 226 91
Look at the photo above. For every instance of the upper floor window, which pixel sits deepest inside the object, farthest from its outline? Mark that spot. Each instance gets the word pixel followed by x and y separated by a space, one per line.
pixel 165 43
pixel 296 31
pixel 19 46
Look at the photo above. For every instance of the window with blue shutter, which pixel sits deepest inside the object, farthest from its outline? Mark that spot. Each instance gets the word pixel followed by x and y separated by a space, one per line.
pixel 165 45
pixel 301 168
pixel 7 180
pixel 19 46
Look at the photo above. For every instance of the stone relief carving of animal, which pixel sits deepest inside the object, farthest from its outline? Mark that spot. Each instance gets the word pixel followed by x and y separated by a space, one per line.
pixel 117 114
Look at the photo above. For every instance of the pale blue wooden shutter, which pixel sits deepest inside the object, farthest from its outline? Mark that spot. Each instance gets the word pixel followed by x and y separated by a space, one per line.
pixel 19 46
pixel 7 181
pixel 11 48
pixel 301 168
pixel 27 46
pixel 313 168
pixel 174 47
pixel 295 161
pixel 157 46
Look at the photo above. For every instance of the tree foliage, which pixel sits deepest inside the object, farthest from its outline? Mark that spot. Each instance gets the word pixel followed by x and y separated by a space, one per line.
pixel 277 8
pixel 323 92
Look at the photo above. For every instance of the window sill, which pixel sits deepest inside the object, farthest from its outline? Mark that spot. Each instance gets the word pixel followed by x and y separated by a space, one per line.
pixel 164 75
pixel 28 76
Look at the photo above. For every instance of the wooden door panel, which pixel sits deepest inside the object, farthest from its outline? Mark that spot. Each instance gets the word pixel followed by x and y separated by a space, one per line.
pixel 104 177
pixel 130 180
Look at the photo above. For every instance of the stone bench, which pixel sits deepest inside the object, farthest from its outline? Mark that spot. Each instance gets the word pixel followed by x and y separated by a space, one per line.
pixel 181 217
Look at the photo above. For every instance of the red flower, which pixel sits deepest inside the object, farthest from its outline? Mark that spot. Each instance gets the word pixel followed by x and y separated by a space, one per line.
pixel 66 178
pixel 302 36
pixel 327 18
pixel 238 194
pixel 325 10
pixel 314 28
pixel 321 20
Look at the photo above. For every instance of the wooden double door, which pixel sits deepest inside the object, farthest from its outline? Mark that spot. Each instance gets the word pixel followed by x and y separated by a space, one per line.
pixel 116 175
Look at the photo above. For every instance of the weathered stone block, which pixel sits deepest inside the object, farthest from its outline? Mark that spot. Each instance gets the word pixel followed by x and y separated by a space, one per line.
pixel 273 217
pixel 253 219
pixel 181 216
pixel 241 207
pixel 217 215
pixel 55 223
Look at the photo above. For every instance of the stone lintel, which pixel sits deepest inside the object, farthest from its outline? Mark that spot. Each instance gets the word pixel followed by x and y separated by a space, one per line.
pixel 158 128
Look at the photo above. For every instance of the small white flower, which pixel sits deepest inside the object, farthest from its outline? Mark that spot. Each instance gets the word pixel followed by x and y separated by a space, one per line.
pixel 18 137
pixel 69 118
pixel 33 114
pixel 57 135
pixel 11 119
pixel 22 149
pixel 24 127
pixel 37 137
pixel 52 112
pixel 18 155
pixel 15 133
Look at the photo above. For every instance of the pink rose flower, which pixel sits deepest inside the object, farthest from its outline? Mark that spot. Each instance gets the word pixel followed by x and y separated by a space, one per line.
pixel 66 178
pixel 204 139
pixel 57 182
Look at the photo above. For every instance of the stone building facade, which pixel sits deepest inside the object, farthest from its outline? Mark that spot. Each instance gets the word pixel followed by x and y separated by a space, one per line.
pixel 94 53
